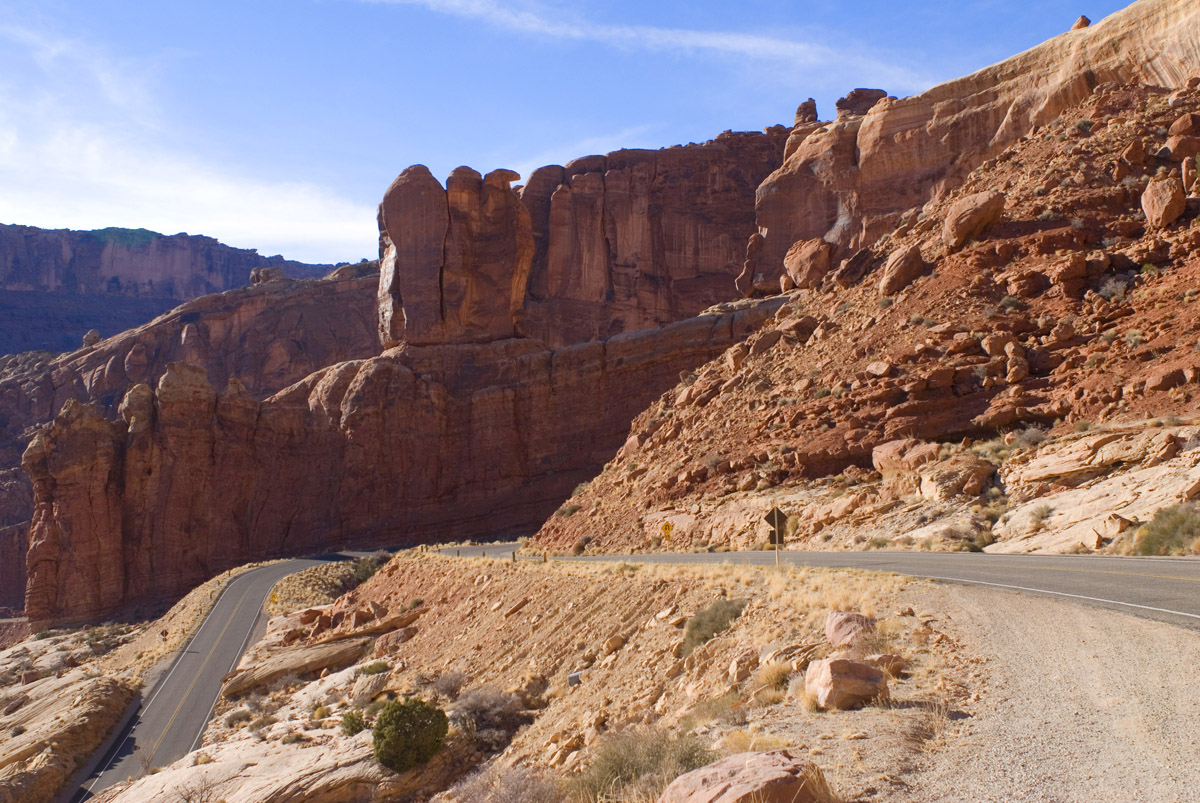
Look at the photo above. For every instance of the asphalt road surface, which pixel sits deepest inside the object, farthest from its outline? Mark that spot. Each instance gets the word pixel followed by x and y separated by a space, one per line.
pixel 178 707
pixel 171 722
pixel 1165 589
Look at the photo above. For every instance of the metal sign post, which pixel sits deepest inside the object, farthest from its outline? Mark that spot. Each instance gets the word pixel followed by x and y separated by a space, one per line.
pixel 778 521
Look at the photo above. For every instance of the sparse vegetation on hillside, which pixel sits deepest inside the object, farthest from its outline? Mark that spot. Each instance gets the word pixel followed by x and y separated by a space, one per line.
pixel 638 765
pixel 711 621
pixel 321 585
pixel 1174 530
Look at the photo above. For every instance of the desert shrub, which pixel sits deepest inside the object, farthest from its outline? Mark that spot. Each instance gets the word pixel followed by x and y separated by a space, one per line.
pixel 409 733
pixel 638 765
pixel 581 545
pixel 1134 338
pixel 448 684
pixel 878 542
pixel 17 731
pixel 377 668
pixel 294 737
pixel 1039 515
pixel 320 712
pixel 1174 530
pixel 1112 289
pixel 364 569
pixel 353 723
pixel 568 510
pixel 494 716
pixel 237 717
pixel 711 621
pixel 515 785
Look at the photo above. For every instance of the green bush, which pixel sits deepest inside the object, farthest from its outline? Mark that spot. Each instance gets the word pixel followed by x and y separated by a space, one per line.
pixel 711 621
pixel 409 733
pixel 377 668
pixel 353 723
pixel 1174 530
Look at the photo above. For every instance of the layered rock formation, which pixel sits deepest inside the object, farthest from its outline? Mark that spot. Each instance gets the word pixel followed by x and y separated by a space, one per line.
pixel 423 443
pixel 608 244
pixel 853 180
pixel 267 336
pixel 50 279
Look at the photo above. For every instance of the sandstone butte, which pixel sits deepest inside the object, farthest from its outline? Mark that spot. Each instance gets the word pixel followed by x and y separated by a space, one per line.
pixel 133 262
pixel 56 285
pixel 506 380
pixel 517 350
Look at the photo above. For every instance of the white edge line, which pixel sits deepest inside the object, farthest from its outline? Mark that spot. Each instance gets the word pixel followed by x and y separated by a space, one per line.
pixel 1059 594
pixel 161 684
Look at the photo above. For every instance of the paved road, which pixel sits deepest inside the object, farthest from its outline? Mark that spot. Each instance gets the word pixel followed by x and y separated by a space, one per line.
pixel 178 707
pixel 1165 589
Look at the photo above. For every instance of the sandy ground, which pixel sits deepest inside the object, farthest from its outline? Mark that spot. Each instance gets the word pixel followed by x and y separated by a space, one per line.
pixel 1074 704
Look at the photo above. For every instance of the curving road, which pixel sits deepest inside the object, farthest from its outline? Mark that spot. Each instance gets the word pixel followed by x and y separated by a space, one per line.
pixel 171 722
pixel 1164 589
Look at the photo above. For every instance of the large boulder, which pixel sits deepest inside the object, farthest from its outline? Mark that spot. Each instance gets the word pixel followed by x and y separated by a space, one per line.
pixel 807 262
pixel 969 217
pixel 842 683
pixel 1164 202
pixel 773 777
pixel 901 269
pixel 843 628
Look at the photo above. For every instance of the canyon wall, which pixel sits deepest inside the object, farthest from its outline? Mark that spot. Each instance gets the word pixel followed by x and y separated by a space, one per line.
pixel 56 285
pixel 853 180
pixel 267 336
pixel 423 443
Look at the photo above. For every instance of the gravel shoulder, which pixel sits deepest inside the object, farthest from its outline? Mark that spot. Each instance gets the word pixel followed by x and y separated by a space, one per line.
pixel 1074 704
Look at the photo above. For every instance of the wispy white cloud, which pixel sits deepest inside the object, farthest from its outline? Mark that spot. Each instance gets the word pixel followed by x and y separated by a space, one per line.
pixel 796 54
pixel 84 144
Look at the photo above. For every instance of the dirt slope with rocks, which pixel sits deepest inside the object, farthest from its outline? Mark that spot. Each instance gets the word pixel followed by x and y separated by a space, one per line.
pixel 506 643
pixel 1016 345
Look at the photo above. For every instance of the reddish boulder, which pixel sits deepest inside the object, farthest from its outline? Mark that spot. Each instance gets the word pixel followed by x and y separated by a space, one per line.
pixel 901 270
pixel 1186 125
pixel 1163 202
pixel 1183 147
pixel 969 217
pixel 773 777
pixel 843 684
pixel 843 628
pixel 807 262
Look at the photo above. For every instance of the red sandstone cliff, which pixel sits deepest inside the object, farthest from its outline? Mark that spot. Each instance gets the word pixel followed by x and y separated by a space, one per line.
pixel 608 244
pixel 421 444
pixel 268 336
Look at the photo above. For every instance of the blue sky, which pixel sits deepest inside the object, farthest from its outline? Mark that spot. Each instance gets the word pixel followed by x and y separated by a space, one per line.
pixel 277 124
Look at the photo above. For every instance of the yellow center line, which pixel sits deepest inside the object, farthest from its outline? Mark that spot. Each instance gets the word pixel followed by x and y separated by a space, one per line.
pixel 1121 574
pixel 196 678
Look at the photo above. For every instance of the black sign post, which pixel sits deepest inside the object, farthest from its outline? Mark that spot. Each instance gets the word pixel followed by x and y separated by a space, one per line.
pixel 778 521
